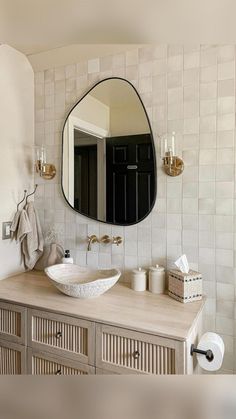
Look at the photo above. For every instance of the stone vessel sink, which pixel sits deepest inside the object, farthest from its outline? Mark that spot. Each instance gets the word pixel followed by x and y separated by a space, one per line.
pixel 77 281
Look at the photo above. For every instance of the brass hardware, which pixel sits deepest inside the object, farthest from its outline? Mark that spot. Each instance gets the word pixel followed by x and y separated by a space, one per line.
pixel 136 354
pixel 30 194
pixel 117 240
pixel 91 239
pixel 58 335
pixel 173 165
pixel 48 171
pixel 58 372
pixel 105 239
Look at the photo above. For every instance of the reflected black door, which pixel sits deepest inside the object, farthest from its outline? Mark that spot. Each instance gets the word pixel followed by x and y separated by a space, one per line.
pixel 130 178
pixel 85 179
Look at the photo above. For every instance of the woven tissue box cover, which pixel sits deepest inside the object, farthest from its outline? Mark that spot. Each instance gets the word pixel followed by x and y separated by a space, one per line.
pixel 185 287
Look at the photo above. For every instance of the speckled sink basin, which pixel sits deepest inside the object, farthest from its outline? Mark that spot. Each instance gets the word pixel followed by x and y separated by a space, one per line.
pixel 77 281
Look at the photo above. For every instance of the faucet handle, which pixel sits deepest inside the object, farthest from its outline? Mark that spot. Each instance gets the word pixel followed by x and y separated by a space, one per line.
pixel 93 238
pixel 117 240
pixel 105 239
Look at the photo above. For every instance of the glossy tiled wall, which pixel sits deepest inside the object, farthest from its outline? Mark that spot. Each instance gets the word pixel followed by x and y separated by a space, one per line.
pixel 190 90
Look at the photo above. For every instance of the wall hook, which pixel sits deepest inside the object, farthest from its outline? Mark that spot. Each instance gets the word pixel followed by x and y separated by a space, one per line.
pixel 36 185
pixel 25 192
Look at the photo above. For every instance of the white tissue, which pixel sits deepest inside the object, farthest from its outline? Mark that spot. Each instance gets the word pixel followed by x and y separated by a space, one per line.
pixel 182 264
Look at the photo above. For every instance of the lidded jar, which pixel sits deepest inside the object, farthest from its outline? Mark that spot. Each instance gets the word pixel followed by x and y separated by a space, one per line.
pixel 139 279
pixel 157 279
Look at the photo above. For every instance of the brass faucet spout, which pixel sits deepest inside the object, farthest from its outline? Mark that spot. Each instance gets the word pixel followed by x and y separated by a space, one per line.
pixel 91 239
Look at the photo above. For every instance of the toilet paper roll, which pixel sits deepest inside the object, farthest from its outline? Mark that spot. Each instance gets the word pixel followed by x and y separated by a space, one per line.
pixel 211 341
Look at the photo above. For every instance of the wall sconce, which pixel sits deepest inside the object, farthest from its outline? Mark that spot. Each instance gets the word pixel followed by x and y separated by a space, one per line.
pixel 46 170
pixel 172 165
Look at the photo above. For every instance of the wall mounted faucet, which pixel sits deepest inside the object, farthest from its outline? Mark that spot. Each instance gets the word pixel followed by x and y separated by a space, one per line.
pixel 104 239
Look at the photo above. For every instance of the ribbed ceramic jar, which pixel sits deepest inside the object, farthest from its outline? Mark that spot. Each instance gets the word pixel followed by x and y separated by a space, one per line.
pixel 139 279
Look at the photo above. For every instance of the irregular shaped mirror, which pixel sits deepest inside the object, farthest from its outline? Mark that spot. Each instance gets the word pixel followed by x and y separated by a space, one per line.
pixel 108 159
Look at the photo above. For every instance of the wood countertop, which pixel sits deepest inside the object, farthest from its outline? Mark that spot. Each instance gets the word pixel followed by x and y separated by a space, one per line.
pixel 120 306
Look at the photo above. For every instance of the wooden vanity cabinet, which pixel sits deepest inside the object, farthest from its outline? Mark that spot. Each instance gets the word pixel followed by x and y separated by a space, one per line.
pixel 60 337
pixel 43 363
pixel 13 323
pixel 124 351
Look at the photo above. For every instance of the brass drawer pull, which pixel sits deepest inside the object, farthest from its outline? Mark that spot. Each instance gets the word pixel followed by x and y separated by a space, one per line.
pixel 58 372
pixel 136 354
pixel 58 335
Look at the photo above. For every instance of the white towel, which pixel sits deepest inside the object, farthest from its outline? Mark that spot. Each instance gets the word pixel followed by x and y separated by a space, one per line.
pixel 15 223
pixel 32 244
pixel 20 225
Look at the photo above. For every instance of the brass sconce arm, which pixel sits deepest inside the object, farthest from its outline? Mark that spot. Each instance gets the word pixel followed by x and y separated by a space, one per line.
pixel 46 170
pixel 173 165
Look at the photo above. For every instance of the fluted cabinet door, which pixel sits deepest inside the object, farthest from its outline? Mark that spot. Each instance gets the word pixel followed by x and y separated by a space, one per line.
pixel 126 352
pixel 13 320
pixel 42 363
pixel 62 335
pixel 12 358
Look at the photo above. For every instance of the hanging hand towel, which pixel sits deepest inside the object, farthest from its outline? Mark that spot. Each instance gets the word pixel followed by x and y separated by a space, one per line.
pixel 20 225
pixel 32 244
pixel 24 226
pixel 15 223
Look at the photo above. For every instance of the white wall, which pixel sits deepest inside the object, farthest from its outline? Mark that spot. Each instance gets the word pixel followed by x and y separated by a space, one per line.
pixel 16 145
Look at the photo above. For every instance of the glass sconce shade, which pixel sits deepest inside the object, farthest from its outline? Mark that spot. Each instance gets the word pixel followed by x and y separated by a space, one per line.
pixel 168 145
pixel 46 170
pixel 172 164
pixel 40 158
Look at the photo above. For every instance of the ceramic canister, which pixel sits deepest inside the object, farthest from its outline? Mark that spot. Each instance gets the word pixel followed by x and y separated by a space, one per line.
pixel 157 279
pixel 139 279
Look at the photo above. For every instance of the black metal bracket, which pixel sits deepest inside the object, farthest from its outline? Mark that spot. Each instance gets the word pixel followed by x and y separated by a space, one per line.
pixel 208 354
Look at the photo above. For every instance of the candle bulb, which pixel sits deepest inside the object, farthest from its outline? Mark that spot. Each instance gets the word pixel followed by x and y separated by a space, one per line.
pixel 166 149
pixel 173 143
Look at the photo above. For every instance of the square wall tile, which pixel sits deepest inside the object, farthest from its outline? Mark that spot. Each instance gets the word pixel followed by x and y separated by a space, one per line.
pixel 207 157
pixel 224 257
pixel 226 88
pixel 208 74
pixel 207 173
pixel 226 70
pixel 225 156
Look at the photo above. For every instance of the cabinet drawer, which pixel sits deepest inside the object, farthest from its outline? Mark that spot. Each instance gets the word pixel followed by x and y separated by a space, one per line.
pixel 12 358
pixel 40 363
pixel 125 351
pixel 62 335
pixel 13 323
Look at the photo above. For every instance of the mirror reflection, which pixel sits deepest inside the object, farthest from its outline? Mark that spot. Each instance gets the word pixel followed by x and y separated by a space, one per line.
pixel 108 163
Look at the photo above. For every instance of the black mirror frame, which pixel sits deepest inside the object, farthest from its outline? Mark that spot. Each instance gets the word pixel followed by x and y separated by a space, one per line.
pixel 154 154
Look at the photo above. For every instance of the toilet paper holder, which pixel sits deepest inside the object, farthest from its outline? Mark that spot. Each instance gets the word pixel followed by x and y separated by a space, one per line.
pixel 208 354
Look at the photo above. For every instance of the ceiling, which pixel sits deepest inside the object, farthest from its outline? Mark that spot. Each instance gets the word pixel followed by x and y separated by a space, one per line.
pixel 36 26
